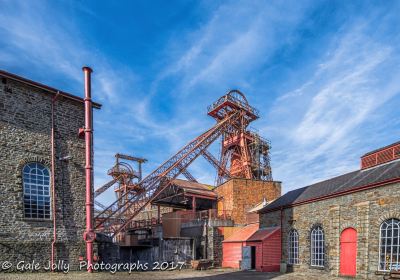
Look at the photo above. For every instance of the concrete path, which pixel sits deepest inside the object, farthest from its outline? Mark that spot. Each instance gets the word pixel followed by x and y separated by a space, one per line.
pixel 214 274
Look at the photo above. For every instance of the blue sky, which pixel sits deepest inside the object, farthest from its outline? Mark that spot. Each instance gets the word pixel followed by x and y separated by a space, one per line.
pixel 324 74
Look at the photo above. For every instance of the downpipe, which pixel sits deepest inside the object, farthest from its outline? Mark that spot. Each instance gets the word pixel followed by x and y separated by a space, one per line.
pixel 53 182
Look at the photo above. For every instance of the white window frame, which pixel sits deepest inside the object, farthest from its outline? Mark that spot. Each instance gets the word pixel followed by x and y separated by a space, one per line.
pixel 317 253
pixel 36 182
pixel 389 253
pixel 293 247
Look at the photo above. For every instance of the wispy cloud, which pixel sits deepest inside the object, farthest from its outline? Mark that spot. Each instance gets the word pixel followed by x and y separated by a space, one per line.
pixel 236 41
pixel 319 119
pixel 325 114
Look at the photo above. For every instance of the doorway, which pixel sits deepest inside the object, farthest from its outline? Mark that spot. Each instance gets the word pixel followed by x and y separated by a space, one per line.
pixel 348 252
pixel 253 257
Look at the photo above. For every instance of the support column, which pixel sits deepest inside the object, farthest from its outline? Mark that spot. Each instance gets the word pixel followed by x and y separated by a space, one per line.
pixel 193 204
pixel 158 214
pixel 363 239
pixel 334 240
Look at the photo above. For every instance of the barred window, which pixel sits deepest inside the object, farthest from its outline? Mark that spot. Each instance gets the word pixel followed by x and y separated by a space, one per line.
pixel 317 247
pixel 36 184
pixel 389 245
pixel 293 247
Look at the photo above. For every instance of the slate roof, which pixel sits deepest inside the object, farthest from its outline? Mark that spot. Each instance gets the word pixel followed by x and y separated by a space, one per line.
pixel 20 79
pixel 347 182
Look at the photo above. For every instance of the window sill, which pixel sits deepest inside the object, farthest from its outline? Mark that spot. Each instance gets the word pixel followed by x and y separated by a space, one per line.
pixel 317 267
pixel 37 220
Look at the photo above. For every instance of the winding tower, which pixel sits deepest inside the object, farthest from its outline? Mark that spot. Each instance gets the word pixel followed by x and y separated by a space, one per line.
pixel 244 153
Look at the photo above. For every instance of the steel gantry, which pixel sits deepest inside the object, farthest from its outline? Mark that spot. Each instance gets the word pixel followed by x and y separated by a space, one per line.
pixel 241 156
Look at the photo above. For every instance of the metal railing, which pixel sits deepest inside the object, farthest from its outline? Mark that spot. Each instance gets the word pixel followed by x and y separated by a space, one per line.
pixel 211 214
pixel 238 102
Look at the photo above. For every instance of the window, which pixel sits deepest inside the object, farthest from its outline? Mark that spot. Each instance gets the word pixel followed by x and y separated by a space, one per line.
pixel 293 247
pixel 389 256
pixel 36 183
pixel 317 247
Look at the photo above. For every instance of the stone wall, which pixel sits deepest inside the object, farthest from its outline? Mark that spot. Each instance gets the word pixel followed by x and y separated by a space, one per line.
pixel 25 130
pixel 168 250
pixel 363 211
pixel 238 196
pixel 214 248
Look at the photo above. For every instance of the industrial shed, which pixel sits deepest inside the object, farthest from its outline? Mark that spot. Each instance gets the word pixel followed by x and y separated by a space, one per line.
pixel 265 248
pixel 232 246
pixel 253 248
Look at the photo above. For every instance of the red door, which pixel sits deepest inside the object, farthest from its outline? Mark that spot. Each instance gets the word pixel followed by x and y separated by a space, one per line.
pixel 348 252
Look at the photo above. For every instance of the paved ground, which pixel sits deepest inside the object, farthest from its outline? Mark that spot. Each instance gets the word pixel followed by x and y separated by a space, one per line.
pixel 215 274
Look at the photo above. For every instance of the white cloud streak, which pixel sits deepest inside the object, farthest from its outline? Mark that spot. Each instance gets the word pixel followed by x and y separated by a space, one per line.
pixel 324 115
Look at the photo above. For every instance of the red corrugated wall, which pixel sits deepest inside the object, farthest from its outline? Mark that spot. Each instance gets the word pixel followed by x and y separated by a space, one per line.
pixel 272 252
pixel 268 253
pixel 231 254
pixel 259 252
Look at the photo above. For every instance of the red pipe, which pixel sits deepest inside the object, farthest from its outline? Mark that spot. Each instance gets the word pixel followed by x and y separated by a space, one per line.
pixel 89 235
pixel 53 183
pixel 281 229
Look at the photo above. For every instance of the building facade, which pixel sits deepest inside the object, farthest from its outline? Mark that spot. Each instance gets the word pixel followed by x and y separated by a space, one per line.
pixel 34 219
pixel 346 226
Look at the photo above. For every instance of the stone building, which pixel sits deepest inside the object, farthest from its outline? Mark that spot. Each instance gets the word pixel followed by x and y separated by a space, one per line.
pixel 345 226
pixel 29 210
pixel 236 199
pixel 237 196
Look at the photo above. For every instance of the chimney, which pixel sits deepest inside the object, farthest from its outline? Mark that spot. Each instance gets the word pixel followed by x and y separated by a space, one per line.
pixel 89 235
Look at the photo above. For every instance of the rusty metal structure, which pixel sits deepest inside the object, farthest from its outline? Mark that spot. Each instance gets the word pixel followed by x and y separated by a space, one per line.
pixel 244 154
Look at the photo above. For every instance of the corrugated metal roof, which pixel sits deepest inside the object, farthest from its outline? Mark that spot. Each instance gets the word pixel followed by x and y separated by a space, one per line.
pixel 262 234
pixel 347 182
pixel 194 187
pixel 243 234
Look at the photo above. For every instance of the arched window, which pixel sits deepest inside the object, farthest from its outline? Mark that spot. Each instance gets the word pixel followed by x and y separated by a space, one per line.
pixel 293 247
pixel 317 247
pixel 36 183
pixel 389 245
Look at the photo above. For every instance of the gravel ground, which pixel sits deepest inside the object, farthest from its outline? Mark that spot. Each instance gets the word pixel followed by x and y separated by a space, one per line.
pixel 214 274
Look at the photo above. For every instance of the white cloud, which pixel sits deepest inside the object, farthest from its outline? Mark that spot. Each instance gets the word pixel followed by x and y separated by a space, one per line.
pixel 324 115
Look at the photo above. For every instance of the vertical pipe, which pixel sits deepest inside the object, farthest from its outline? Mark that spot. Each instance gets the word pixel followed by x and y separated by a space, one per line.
pixel 281 234
pixel 53 182
pixel 194 204
pixel 140 170
pixel 158 214
pixel 89 234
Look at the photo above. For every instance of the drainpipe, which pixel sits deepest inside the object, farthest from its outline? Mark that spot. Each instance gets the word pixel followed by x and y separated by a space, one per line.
pixel 281 234
pixel 53 181
pixel 89 235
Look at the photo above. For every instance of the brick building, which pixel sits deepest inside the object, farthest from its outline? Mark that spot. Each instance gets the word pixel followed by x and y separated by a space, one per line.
pixel 29 210
pixel 238 198
pixel 348 225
